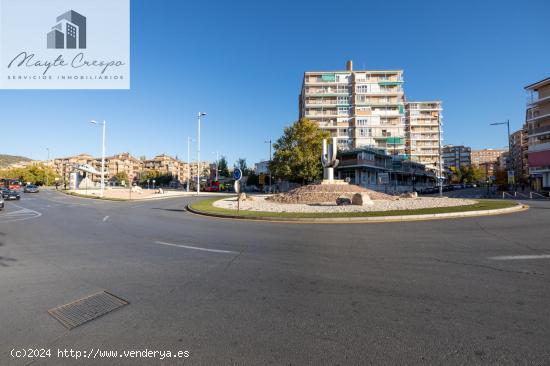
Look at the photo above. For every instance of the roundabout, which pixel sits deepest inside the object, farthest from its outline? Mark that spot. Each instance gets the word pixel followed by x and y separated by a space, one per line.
pixel 260 208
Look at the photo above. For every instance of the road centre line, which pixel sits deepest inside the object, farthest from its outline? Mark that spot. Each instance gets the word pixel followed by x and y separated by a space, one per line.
pixel 519 257
pixel 196 248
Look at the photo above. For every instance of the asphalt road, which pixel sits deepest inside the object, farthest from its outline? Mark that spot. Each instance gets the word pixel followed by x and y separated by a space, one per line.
pixel 259 293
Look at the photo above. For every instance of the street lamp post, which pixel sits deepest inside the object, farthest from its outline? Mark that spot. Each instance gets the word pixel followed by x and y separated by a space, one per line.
pixel 188 162
pixel 270 158
pixel 102 156
pixel 47 165
pixel 440 166
pixel 199 115
pixel 507 123
pixel 217 162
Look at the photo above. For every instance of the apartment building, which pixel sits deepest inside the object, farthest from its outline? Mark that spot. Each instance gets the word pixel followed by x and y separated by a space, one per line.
pixel 538 133
pixel 520 164
pixel 367 108
pixel 167 165
pixel 479 157
pixel 132 166
pixel 64 166
pixel 361 108
pixel 423 132
pixel 456 156
pixel 124 163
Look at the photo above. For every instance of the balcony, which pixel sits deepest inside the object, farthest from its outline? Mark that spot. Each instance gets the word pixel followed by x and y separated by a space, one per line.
pixel 537 115
pixel 534 99
pixel 321 114
pixel 328 91
pixel 320 102
pixel 539 147
pixel 531 132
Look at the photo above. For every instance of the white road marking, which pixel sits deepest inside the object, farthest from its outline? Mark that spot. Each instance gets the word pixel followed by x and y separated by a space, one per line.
pixel 197 248
pixel 19 215
pixel 520 257
pixel 106 218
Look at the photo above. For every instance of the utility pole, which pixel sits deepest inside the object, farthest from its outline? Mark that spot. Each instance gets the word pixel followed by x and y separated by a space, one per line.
pixel 188 162
pixel 440 178
pixel 102 157
pixel 47 165
pixel 507 123
pixel 199 115
pixel 268 167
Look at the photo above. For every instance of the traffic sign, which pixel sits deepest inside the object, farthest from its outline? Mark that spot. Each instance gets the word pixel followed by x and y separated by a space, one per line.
pixel 237 174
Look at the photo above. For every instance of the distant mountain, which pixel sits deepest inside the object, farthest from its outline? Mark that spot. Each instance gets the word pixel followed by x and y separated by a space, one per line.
pixel 6 160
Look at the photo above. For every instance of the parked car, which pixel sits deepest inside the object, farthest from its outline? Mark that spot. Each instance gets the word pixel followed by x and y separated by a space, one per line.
pixel 3 191
pixel 30 188
pixel 1 202
pixel 11 195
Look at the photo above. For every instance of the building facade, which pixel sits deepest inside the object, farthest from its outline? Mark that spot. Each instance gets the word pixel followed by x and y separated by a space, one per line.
pixel 367 108
pixel 165 164
pixel 423 133
pixel 124 163
pixel 519 160
pixel 479 157
pixel 131 166
pixel 538 133
pixel 361 108
pixel 455 156
pixel 377 170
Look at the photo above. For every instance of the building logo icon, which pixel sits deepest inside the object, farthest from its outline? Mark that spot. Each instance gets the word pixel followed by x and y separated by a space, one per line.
pixel 69 33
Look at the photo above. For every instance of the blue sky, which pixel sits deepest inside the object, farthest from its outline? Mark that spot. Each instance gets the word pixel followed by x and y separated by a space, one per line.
pixel 242 62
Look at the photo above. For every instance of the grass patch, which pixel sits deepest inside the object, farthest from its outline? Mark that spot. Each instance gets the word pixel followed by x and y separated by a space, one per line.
pixel 206 206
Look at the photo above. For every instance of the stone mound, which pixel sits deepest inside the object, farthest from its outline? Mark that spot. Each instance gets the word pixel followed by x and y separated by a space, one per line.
pixel 325 193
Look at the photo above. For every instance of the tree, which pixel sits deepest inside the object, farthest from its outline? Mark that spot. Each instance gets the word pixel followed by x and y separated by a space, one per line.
pixel 297 154
pixel 121 177
pixel 35 174
pixel 223 170
pixel 241 164
pixel 456 174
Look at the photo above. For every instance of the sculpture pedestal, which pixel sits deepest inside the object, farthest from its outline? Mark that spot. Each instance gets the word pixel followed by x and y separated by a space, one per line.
pixel 334 181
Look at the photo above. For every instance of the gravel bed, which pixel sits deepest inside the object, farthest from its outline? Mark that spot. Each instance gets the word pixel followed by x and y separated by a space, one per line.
pixel 260 203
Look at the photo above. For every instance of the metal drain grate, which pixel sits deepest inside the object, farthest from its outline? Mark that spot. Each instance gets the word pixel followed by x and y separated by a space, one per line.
pixel 88 308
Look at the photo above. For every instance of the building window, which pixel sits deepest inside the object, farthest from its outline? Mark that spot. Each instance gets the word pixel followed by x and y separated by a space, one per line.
pixel 362 88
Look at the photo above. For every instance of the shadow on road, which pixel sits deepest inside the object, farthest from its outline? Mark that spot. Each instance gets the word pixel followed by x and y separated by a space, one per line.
pixel 169 209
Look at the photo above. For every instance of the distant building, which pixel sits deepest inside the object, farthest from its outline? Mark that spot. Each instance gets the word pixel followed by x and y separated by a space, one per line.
pixel 479 157
pixel 124 163
pixel 423 132
pixel 455 156
pixel 538 133
pixel 519 161
pixel 132 166
pixel 165 164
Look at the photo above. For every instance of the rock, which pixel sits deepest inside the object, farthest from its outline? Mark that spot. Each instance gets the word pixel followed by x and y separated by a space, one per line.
pixel 242 197
pixel 250 198
pixel 361 199
pixel 137 189
pixel 343 201
pixel 409 195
